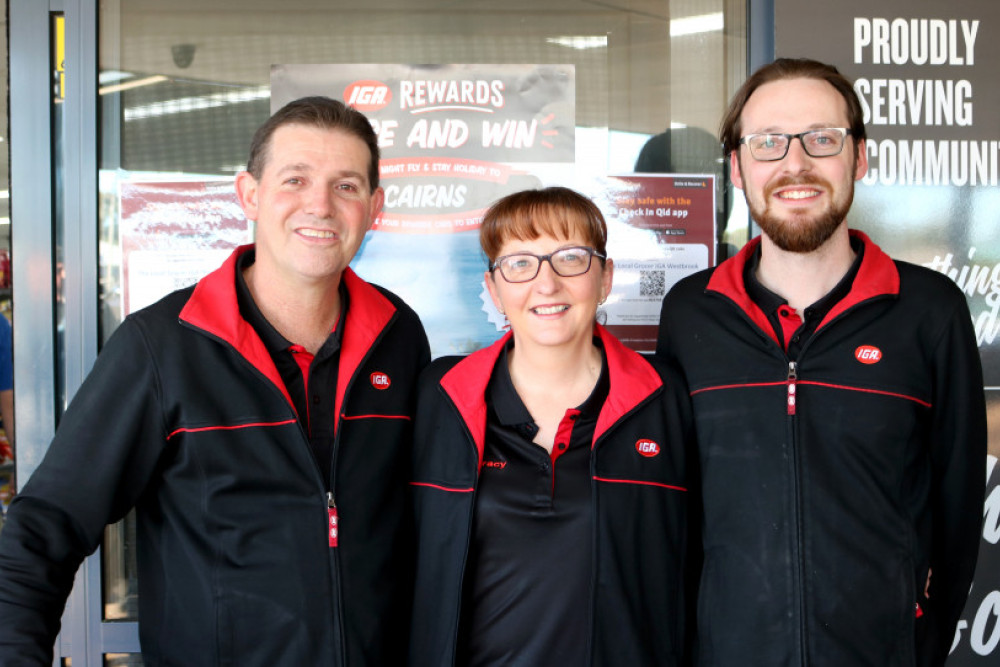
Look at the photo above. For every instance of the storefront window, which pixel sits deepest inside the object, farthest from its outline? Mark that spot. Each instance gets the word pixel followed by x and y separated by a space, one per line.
pixel 185 84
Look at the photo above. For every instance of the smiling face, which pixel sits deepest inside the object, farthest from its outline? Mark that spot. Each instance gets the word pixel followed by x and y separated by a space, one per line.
pixel 313 204
pixel 798 201
pixel 550 310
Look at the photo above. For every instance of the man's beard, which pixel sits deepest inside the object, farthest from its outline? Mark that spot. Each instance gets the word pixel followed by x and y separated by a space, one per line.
pixel 799 233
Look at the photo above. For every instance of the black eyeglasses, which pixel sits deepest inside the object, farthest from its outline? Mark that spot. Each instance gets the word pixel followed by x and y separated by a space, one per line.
pixel 825 142
pixel 566 262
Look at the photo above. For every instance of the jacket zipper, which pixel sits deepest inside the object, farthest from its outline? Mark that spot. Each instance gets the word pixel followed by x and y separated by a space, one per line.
pixel 331 506
pixel 791 382
pixel 331 512
pixel 333 519
pixel 793 376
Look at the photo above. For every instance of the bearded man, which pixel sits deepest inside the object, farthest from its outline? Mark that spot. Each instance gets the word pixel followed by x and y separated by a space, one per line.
pixel 839 407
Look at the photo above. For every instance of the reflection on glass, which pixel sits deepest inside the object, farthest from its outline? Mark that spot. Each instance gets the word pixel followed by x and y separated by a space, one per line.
pixel 7 445
pixel 58 68
pixel 122 660
pixel 120 577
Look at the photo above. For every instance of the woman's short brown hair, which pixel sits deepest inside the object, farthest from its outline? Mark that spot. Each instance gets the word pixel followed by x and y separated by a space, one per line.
pixel 529 214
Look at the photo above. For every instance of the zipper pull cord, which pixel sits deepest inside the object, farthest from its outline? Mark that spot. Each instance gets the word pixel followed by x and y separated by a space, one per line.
pixel 331 512
pixel 793 375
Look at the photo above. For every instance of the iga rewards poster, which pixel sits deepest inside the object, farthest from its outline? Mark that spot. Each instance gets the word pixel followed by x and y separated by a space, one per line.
pixel 454 139
pixel 925 72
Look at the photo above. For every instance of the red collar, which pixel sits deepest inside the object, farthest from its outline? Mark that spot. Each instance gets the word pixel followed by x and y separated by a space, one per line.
pixel 632 380
pixel 213 308
pixel 877 276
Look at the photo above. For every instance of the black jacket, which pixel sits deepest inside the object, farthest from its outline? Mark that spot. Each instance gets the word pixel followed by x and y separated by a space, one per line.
pixel 185 417
pixel 831 486
pixel 639 507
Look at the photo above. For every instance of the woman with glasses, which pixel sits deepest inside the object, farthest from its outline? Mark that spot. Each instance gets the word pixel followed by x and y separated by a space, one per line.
pixel 550 472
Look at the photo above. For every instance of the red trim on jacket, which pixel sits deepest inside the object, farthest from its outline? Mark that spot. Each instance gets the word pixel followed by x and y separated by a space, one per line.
pixel 214 308
pixel 449 489
pixel 741 385
pixel 367 317
pixel 376 416
pixel 830 385
pixel 466 385
pixel 632 380
pixel 751 385
pixel 609 480
pixel 229 428
pixel 877 276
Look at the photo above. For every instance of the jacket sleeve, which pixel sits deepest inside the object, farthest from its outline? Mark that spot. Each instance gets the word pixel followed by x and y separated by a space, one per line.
pixel 681 417
pixel 958 472
pixel 444 474
pixel 104 452
pixel 694 559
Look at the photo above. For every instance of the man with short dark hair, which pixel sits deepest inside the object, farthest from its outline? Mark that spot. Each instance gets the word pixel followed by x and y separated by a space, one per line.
pixel 259 423
pixel 839 407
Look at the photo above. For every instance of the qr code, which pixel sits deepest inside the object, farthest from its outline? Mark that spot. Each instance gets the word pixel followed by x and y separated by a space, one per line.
pixel 652 283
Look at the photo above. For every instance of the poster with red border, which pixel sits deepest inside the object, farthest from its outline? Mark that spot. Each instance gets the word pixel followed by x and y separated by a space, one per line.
pixel 661 228
pixel 173 234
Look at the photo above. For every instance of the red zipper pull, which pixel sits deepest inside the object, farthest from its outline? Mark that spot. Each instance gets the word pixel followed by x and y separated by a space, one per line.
pixel 331 511
pixel 792 377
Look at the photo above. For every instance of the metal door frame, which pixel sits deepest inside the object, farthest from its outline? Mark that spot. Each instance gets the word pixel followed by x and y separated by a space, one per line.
pixel 85 636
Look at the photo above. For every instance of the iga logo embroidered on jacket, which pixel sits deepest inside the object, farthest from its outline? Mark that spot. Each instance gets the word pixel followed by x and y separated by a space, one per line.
pixel 380 380
pixel 868 354
pixel 647 448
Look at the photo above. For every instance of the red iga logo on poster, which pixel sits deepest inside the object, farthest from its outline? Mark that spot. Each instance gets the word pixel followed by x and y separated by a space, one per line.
pixel 367 95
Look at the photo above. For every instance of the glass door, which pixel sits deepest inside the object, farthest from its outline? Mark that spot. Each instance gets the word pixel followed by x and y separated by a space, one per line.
pixel 53 103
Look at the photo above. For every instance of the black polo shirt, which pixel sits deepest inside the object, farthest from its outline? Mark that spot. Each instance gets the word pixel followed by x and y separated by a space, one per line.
pixel 528 578
pixel 311 381
pixel 793 331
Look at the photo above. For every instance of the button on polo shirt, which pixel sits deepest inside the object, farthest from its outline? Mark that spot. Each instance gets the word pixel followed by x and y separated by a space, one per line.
pixel 311 381
pixel 793 331
pixel 528 578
